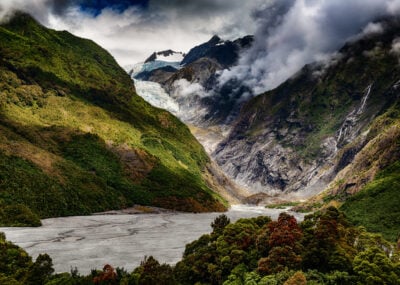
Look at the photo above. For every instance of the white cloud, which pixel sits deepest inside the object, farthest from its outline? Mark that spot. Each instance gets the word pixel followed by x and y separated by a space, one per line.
pixel 396 46
pixel 184 88
pixel 133 35
pixel 373 28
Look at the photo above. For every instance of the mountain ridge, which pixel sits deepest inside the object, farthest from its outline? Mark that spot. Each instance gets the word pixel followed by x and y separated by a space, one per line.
pixel 332 127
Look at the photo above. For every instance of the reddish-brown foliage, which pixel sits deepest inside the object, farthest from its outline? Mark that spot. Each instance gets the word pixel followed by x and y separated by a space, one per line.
pixel 108 275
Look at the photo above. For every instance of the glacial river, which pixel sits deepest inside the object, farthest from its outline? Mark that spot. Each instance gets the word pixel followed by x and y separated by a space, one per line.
pixel 121 240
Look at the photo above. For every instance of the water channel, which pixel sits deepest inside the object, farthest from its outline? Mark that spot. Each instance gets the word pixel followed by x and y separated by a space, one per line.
pixel 121 240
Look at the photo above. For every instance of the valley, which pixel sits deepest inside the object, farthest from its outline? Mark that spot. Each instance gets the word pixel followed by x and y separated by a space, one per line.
pixel 267 155
pixel 302 139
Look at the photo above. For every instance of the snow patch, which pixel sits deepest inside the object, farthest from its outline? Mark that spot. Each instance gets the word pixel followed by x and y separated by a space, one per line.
pixel 174 57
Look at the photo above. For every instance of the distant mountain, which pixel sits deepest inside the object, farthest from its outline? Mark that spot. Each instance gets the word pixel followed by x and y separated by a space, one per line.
pixel 166 55
pixel 167 62
pixel 201 66
pixel 223 52
pixel 77 139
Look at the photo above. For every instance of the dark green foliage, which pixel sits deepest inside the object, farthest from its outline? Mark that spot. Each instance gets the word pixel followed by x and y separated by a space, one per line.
pixel 40 271
pixel 90 153
pixel 210 259
pixel 6 280
pixel 14 262
pixel 73 278
pixel 18 215
pixel 377 205
pixel 326 245
pixel 152 272
pixel 33 190
pixel 24 183
pixel 16 266
pixel 219 224
pixel 375 267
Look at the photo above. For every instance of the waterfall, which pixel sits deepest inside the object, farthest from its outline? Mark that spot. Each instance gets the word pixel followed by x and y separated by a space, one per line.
pixel 364 100
pixel 352 118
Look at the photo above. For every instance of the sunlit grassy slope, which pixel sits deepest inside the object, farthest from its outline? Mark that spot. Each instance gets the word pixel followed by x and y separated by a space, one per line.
pixel 76 139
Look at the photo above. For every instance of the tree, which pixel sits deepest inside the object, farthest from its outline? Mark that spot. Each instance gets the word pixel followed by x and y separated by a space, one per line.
pixel 40 271
pixel 284 232
pixel 220 223
pixel 107 276
pixel 326 246
pixel 284 244
pixel 279 258
pixel 151 272
pixel 14 261
pixel 297 279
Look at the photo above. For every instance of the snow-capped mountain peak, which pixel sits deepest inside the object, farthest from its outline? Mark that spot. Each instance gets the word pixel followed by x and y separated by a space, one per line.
pixel 167 56
pixel 162 59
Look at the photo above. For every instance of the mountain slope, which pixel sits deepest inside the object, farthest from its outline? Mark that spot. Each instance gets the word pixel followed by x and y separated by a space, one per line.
pixel 75 137
pixel 367 189
pixel 298 137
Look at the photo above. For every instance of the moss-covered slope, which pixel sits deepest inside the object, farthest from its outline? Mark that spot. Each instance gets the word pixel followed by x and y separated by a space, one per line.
pixel 76 139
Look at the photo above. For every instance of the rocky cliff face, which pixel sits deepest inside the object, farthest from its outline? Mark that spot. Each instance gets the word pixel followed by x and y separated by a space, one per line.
pixel 297 137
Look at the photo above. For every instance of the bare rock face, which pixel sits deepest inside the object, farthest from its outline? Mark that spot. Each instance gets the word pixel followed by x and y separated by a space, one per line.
pixel 199 72
pixel 265 164
pixel 137 163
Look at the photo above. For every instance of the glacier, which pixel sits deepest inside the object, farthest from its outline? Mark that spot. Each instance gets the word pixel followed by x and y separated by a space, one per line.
pixel 150 66
pixel 154 94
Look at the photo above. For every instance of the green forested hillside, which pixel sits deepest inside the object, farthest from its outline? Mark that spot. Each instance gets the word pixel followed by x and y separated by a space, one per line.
pixel 76 139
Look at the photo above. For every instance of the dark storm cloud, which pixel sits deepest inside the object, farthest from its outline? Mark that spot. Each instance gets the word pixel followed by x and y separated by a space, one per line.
pixel 59 7
pixel 298 32
pixel 193 6
pixel 158 25
pixel 289 33
pixel 143 26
